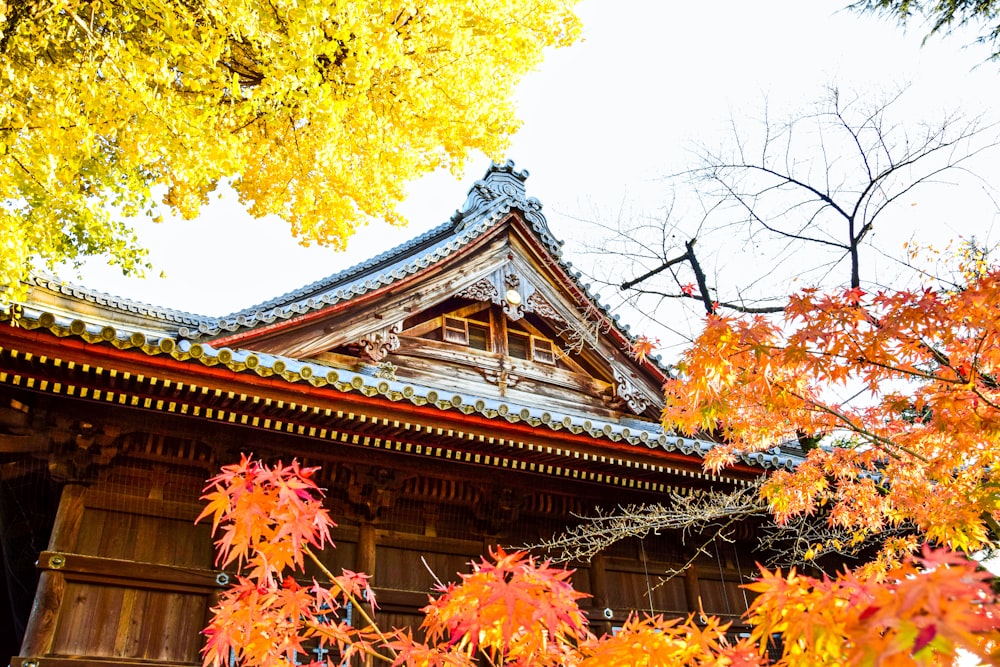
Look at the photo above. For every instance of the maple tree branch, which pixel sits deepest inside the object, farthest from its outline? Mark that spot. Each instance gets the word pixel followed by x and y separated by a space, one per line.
pixel 769 187
pixel 628 284
pixel 699 276
pixel 879 441
pixel 358 605
pixel 737 307
pixel 750 310
pixel 985 399
pixel 913 373
pixel 364 648
pixel 939 357
pixel 986 378
pixel 730 191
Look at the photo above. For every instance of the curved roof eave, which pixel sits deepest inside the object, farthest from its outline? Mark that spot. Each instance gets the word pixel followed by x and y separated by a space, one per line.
pixel 344 381
pixel 488 203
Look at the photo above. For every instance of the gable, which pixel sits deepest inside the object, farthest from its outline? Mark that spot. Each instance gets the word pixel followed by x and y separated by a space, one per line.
pixel 500 318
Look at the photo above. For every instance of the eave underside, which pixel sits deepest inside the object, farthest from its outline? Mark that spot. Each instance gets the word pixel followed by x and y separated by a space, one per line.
pixel 330 421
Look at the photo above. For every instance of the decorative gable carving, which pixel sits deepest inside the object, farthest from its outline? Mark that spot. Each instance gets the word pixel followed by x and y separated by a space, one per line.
pixel 505 281
pixel 513 302
pixel 537 304
pixel 377 345
pixel 628 392
pixel 484 290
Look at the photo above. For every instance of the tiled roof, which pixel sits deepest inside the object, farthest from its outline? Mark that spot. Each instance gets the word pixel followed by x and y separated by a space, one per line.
pixel 488 202
pixel 167 319
pixel 186 337
pixel 634 433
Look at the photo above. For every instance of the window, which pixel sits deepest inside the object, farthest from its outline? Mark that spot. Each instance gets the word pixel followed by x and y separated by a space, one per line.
pixel 479 336
pixel 456 330
pixel 476 333
pixel 465 332
pixel 518 345
pixel 535 348
pixel 543 350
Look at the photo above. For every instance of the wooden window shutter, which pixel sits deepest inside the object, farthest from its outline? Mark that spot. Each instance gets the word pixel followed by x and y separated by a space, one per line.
pixel 543 351
pixel 456 330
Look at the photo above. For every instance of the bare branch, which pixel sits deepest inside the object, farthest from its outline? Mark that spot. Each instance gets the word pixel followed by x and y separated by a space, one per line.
pixel 684 513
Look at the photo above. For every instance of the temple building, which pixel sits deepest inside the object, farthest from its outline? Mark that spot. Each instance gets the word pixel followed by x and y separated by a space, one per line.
pixel 460 391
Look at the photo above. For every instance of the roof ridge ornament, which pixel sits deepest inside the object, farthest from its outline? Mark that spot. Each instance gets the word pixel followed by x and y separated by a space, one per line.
pixel 499 191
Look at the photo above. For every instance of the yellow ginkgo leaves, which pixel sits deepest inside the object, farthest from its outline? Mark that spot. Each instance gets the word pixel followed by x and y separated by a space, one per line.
pixel 318 111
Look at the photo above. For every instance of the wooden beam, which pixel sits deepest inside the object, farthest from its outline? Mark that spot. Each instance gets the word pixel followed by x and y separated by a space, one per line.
pixel 95 569
pixel 438 322
pixel 28 661
pixel 424 327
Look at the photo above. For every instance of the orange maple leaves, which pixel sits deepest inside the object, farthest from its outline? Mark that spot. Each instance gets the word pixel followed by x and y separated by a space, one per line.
pixel 267 517
pixel 642 347
pixel 903 386
pixel 512 610
pixel 918 613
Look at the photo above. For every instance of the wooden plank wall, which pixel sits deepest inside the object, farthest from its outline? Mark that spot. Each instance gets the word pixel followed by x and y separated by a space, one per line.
pixel 126 578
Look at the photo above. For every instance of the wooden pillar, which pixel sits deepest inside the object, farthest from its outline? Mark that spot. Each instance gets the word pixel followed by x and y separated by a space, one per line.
pixel 599 581
pixel 364 561
pixel 498 330
pixel 599 589
pixel 692 591
pixel 364 558
pixel 39 634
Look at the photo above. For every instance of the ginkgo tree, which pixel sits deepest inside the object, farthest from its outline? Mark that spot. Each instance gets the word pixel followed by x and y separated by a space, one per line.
pixel 514 610
pixel 317 111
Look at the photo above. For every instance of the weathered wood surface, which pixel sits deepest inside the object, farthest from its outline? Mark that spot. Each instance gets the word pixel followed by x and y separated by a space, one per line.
pixel 473 373
pixel 109 621
pixel 365 557
pixel 144 538
pixel 121 585
pixel 310 336
pixel 40 633
pixel 175 577
pixel 76 661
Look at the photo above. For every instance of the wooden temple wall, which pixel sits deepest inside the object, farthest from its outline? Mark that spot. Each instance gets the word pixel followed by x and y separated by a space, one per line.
pixel 128 578
pixel 123 579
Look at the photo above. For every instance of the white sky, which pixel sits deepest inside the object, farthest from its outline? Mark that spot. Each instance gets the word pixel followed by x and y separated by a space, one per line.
pixel 603 120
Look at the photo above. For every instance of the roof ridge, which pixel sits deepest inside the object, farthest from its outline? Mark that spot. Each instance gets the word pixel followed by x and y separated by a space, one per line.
pixel 53 283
